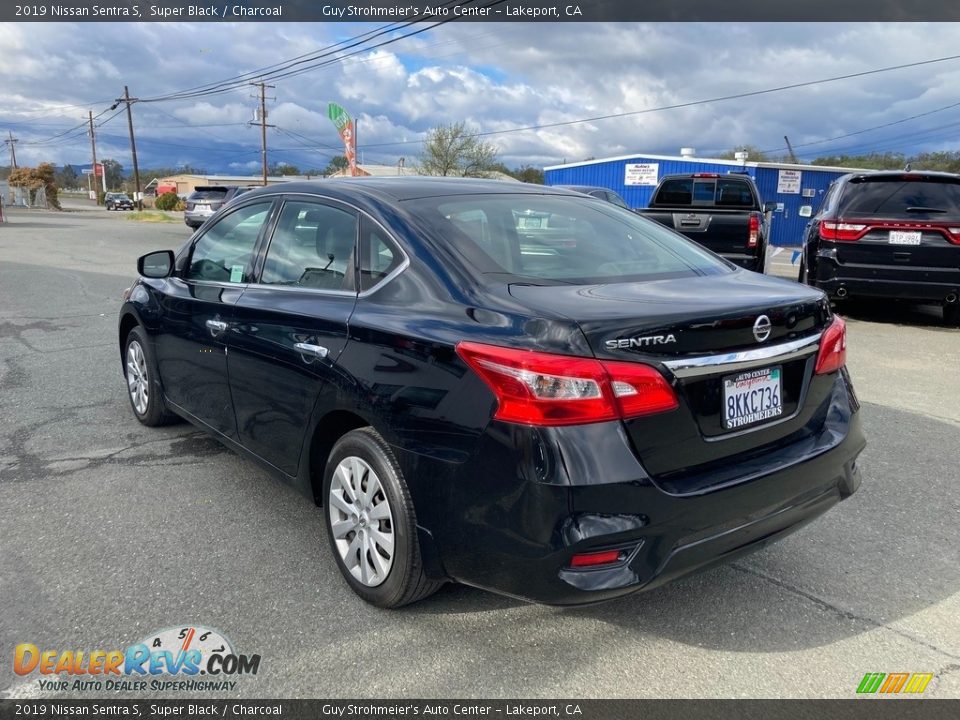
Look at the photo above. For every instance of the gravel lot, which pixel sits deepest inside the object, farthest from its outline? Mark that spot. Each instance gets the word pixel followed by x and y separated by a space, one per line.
pixel 110 530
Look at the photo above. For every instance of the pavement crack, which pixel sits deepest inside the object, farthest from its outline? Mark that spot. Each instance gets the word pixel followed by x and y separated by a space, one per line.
pixel 846 614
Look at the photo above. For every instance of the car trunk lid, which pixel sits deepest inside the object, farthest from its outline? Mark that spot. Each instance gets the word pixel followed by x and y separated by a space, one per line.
pixel 714 338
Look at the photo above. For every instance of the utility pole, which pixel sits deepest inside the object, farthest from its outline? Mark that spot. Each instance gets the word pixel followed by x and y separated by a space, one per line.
pixel 793 158
pixel 93 150
pixel 133 143
pixel 12 141
pixel 263 125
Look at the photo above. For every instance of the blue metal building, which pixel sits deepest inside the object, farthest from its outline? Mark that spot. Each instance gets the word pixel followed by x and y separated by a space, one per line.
pixel 797 189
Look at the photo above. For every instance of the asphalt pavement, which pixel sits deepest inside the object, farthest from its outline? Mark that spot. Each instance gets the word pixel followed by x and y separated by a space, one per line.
pixel 110 531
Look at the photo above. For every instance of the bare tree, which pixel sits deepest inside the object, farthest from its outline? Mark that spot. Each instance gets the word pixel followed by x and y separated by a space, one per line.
pixel 454 150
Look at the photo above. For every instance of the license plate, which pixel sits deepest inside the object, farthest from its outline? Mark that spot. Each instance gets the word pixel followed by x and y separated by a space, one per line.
pixel 904 237
pixel 751 397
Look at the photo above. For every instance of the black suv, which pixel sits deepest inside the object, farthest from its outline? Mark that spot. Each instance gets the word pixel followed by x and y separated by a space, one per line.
pixel 888 234
pixel 117 201
pixel 205 200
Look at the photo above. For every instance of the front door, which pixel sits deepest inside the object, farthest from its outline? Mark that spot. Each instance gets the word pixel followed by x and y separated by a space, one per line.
pixel 196 311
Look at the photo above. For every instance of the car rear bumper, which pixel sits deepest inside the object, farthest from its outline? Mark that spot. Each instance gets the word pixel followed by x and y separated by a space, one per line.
pixel 532 498
pixel 903 282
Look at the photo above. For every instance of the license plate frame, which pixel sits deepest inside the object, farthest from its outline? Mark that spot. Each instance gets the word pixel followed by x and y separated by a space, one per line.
pixel 752 397
pixel 905 237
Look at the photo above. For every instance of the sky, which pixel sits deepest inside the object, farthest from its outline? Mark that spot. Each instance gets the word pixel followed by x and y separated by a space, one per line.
pixel 496 77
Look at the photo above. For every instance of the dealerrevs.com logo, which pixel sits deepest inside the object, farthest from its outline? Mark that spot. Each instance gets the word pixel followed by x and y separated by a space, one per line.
pixel 189 658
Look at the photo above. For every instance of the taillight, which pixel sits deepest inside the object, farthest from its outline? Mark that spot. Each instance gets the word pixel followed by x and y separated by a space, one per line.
pixel 754 230
pixel 833 347
pixel 841 231
pixel 536 388
pixel 954 235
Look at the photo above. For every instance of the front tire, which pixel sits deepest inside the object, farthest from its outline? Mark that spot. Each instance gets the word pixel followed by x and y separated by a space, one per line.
pixel 143 382
pixel 371 523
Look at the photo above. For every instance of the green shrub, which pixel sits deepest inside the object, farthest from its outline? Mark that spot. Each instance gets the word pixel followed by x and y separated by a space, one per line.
pixel 168 201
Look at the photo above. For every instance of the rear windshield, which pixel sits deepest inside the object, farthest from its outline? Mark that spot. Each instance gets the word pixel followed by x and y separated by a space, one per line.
pixel 209 194
pixel 560 240
pixel 722 192
pixel 896 197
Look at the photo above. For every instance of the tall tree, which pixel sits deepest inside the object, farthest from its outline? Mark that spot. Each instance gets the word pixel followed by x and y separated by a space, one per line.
pixel 455 150
pixel 67 177
pixel 338 163
pixel 114 173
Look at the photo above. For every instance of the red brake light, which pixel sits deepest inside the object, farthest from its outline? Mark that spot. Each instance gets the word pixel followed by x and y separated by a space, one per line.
pixel 754 230
pixel 606 557
pixel 536 388
pixel 706 175
pixel 841 230
pixel 953 235
pixel 833 347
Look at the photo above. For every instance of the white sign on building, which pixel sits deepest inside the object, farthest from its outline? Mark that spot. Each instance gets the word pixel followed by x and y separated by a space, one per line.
pixel 641 174
pixel 788 182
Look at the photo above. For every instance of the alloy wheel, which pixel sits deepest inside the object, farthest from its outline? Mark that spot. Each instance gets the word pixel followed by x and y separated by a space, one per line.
pixel 137 378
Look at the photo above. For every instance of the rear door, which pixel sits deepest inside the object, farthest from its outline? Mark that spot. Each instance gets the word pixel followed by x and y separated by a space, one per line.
pixel 907 220
pixel 290 328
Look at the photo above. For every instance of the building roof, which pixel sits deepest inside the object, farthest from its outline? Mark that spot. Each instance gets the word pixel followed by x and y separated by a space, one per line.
pixel 236 179
pixel 715 161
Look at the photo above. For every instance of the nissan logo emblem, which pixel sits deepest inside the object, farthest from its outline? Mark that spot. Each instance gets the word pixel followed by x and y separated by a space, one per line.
pixel 762 328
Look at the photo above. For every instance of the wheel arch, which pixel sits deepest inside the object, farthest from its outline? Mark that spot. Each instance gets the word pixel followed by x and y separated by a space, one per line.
pixel 330 428
pixel 128 321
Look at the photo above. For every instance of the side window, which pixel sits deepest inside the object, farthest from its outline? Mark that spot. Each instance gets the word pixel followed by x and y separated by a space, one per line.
pixel 312 247
pixel 378 255
pixel 827 198
pixel 225 252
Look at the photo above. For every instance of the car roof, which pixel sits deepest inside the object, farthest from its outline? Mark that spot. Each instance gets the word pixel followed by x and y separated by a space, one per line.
pixel 404 188
pixel 914 174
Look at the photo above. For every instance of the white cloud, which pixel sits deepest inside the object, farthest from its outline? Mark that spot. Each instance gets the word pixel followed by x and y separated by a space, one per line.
pixel 493 76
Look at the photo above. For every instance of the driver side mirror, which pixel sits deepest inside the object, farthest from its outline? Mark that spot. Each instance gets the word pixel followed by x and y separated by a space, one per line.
pixel 769 207
pixel 157 264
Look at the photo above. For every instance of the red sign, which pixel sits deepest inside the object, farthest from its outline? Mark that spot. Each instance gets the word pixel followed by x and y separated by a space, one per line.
pixel 99 169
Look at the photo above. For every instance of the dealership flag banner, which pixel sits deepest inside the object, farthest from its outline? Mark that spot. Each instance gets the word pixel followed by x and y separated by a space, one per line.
pixel 344 123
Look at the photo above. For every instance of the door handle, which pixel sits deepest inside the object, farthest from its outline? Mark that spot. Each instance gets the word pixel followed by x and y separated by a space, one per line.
pixel 216 327
pixel 315 350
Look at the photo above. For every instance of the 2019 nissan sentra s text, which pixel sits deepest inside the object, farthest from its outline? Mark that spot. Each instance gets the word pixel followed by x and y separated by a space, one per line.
pixel 564 411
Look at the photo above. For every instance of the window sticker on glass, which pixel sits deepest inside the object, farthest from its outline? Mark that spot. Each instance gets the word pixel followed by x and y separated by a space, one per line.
pixel 236 273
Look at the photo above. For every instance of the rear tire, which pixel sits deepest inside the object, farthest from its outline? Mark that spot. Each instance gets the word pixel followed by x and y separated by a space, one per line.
pixel 143 382
pixel 371 523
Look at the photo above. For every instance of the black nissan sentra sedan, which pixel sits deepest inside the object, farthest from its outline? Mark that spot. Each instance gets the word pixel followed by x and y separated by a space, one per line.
pixel 508 386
